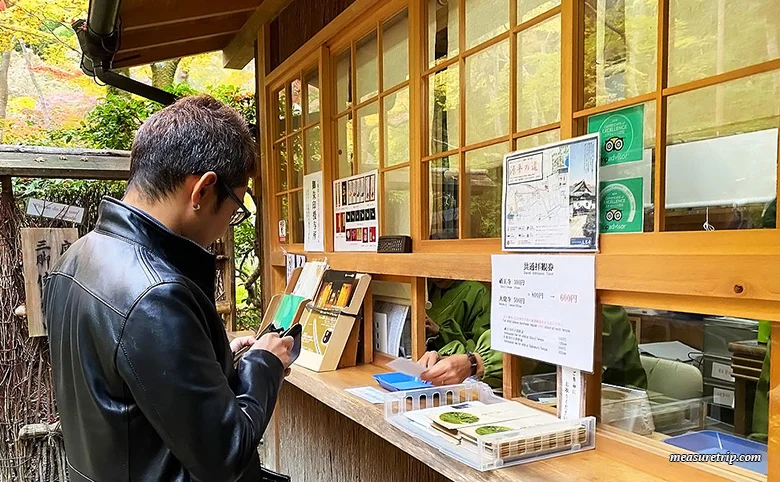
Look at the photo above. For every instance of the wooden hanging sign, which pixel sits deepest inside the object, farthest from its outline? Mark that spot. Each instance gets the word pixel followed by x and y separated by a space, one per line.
pixel 41 250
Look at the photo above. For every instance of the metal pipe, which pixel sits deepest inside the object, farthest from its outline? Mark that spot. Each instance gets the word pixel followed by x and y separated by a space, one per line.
pixel 102 16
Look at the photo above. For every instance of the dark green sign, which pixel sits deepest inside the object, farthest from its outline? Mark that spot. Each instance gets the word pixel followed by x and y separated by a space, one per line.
pixel 622 134
pixel 621 209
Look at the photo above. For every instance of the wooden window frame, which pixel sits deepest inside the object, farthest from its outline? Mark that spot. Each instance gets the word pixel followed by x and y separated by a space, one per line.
pixel 350 43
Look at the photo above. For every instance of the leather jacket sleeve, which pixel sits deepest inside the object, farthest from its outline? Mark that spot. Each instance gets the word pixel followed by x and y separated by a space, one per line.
pixel 167 360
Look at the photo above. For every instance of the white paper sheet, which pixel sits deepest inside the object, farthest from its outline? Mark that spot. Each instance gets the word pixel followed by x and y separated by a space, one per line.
pixel 407 367
pixel 543 307
pixel 369 394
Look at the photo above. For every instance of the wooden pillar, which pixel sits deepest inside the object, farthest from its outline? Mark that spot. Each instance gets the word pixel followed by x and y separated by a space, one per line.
pixel 773 449
pixel 262 192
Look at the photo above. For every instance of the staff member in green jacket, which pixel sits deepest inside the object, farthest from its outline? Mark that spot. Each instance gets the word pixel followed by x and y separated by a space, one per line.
pixel 458 326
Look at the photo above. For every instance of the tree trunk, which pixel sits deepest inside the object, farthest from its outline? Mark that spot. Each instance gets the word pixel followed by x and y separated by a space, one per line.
pixel 163 73
pixel 117 91
pixel 44 107
pixel 5 62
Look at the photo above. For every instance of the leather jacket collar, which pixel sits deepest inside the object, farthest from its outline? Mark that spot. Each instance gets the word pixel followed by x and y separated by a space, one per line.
pixel 116 218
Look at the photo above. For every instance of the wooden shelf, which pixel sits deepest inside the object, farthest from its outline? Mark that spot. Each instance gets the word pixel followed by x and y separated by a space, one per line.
pixel 613 455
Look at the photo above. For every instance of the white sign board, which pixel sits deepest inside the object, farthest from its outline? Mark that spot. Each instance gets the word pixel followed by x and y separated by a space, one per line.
pixel 550 199
pixel 572 394
pixel 313 213
pixel 51 210
pixel 543 307
pixel 356 213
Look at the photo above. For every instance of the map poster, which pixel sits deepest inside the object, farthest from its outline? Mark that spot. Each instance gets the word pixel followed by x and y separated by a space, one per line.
pixel 543 307
pixel 356 213
pixel 549 197
pixel 621 208
pixel 622 134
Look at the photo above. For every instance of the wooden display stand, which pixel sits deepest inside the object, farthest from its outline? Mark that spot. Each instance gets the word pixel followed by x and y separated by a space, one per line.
pixel 341 349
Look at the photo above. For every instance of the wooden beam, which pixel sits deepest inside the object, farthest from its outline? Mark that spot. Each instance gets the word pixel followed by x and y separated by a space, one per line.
pixel 145 13
pixel 170 51
pixel 142 37
pixel 20 161
pixel 239 50
pixel 418 317
pixel 261 188
pixel 773 469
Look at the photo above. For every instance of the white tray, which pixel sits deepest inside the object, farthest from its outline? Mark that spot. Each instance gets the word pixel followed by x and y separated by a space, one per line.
pixel 519 446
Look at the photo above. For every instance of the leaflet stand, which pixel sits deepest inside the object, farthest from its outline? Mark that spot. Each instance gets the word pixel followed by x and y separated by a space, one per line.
pixel 330 336
pixel 277 302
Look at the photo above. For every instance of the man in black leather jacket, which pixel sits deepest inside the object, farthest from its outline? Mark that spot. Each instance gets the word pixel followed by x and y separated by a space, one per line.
pixel 143 370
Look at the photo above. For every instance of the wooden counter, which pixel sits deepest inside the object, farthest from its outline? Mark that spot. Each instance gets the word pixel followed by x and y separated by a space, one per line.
pixel 312 443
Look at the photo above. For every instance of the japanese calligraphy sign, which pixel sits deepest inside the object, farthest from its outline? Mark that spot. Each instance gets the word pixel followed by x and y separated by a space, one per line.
pixel 41 249
pixel 313 213
pixel 543 307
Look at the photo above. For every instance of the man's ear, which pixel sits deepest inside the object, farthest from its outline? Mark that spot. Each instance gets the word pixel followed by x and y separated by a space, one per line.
pixel 200 188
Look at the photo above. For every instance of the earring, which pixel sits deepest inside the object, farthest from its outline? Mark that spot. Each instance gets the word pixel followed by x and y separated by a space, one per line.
pixel 196 207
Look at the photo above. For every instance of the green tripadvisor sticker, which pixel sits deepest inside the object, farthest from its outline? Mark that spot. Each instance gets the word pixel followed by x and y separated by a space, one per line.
pixel 622 134
pixel 621 209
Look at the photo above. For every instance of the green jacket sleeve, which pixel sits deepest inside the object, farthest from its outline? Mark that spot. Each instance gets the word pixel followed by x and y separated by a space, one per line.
pixel 620 350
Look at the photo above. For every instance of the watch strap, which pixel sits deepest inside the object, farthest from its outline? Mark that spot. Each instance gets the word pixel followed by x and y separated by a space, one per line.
pixel 473 363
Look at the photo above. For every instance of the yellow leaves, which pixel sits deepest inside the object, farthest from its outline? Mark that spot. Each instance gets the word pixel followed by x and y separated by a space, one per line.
pixel 18 104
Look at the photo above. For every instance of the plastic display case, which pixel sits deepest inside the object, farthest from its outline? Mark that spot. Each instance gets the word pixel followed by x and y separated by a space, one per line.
pixel 492 451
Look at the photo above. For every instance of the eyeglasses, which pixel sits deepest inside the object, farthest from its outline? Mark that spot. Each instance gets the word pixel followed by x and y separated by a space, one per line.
pixel 242 213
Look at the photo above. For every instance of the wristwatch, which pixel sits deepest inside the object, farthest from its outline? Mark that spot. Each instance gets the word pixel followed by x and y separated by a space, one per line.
pixel 473 363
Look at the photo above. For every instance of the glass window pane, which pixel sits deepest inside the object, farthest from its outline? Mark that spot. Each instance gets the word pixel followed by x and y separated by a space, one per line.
pixel 312 98
pixel 485 19
pixel 281 115
pixel 396 125
pixel 528 9
pixel 281 166
pixel 721 155
pixel 539 75
pixel 709 38
pixel 343 81
pixel 699 385
pixel 297 217
pixel 396 202
pixel 368 137
pixel 443 30
pixel 283 211
pixel 346 146
pixel 296 103
pixel 620 49
pixel 313 150
pixel 487 93
pixel 297 161
pixel 444 110
pixel 443 197
pixel 367 78
pixel 395 51
pixel 638 172
pixel 484 178
pixel 536 140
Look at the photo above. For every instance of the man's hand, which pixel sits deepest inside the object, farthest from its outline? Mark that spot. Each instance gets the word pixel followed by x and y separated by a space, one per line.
pixel 450 370
pixel 280 347
pixel 241 342
pixel 431 327
pixel 429 359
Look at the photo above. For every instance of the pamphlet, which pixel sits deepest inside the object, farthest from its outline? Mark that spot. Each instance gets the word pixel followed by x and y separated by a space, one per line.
pixel 369 394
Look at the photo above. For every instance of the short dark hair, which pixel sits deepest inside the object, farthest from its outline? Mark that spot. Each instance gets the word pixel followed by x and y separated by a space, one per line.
pixel 195 135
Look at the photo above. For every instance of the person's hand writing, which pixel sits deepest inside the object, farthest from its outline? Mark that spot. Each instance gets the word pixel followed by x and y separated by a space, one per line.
pixel 429 359
pixel 241 342
pixel 450 370
pixel 280 347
